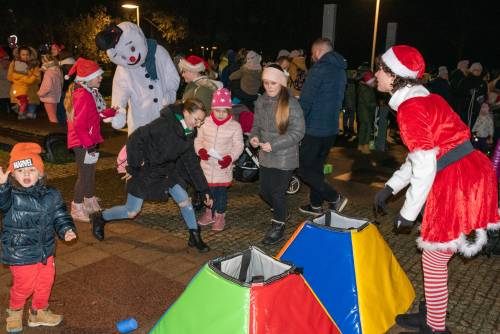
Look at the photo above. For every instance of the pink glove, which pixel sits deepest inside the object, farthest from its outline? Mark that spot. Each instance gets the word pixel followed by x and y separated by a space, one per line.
pixel 121 161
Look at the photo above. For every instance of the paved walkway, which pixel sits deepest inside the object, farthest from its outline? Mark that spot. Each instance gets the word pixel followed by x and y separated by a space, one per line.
pixel 143 265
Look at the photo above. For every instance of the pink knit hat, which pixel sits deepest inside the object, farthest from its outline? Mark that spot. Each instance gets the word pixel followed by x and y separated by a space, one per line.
pixel 221 99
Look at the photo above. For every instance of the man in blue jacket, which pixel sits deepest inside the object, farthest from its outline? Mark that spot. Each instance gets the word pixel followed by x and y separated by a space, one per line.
pixel 321 100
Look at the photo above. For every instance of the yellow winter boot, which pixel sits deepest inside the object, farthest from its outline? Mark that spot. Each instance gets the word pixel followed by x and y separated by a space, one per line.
pixel 43 318
pixel 14 321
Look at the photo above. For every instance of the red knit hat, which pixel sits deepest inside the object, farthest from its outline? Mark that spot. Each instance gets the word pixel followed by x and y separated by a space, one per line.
pixel 193 63
pixel 368 77
pixel 405 61
pixel 221 99
pixel 85 69
pixel 26 155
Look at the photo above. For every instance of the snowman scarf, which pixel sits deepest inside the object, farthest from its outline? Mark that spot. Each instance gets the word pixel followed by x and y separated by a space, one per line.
pixel 150 62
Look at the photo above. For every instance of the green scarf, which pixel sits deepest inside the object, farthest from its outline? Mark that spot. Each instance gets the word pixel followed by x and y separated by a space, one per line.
pixel 180 118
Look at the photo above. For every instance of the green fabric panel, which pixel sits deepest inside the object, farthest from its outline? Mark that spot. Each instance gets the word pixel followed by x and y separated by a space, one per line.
pixel 210 305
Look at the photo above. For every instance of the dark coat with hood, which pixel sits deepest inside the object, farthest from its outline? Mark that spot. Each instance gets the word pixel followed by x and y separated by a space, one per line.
pixel 322 95
pixel 160 155
pixel 31 218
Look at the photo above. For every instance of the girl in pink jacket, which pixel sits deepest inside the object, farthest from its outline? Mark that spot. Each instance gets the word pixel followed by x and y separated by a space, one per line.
pixel 85 108
pixel 218 143
pixel 51 87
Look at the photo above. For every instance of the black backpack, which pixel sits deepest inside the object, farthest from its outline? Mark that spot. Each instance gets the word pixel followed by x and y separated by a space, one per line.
pixel 56 150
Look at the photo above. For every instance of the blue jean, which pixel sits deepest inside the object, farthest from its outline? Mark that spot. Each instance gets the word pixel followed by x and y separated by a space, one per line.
pixel 220 199
pixel 134 205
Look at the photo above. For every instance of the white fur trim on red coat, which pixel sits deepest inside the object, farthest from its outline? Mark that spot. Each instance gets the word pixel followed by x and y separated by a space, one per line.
pixel 407 93
pixel 461 244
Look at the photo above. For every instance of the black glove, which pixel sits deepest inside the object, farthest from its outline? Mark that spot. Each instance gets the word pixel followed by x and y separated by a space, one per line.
pixel 402 225
pixel 380 201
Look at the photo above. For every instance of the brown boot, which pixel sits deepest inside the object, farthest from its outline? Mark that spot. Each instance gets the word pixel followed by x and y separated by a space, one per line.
pixel 206 218
pixel 44 318
pixel 220 221
pixel 14 321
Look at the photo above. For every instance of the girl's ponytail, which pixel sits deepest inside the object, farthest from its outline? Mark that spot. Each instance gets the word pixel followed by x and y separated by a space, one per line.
pixel 68 102
pixel 282 111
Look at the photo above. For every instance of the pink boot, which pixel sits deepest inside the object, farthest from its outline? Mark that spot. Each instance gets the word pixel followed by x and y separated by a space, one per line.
pixel 79 213
pixel 91 205
pixel 207 218
pixel 220 221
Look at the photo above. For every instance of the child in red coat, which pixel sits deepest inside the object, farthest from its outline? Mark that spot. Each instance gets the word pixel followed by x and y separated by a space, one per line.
pixel 85 108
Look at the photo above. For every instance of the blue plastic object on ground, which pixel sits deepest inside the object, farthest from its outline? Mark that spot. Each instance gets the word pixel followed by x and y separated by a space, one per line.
pixel 127 325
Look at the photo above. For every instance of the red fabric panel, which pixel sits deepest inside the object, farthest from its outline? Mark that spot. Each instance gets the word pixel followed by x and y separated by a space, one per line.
pixel 463 198
pixel 429 122
pixel 288 306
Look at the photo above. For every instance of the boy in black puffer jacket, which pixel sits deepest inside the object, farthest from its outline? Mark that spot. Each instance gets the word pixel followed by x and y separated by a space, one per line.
pixel 31 214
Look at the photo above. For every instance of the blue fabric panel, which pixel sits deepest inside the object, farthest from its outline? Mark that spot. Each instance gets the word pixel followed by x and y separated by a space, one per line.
pixel 327 259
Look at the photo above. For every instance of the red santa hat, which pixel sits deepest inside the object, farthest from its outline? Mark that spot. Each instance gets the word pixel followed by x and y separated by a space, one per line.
pixel 193 63
pixel 405 61
pixel 368 78
pixel 85 69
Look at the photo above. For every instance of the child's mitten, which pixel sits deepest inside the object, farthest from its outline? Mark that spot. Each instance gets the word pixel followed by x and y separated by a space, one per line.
pixel 225 162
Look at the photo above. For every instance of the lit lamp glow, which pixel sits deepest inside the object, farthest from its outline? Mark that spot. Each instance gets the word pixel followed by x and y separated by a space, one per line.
pixel 136 7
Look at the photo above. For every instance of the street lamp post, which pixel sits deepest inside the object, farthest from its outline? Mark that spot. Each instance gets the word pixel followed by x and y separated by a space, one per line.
pixel 374 42
pixel 136 7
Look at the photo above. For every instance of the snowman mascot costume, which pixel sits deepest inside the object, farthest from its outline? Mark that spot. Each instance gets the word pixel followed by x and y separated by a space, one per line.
pixel 146 79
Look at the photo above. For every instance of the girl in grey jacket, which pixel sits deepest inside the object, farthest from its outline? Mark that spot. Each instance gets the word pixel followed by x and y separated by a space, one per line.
pixel 278 128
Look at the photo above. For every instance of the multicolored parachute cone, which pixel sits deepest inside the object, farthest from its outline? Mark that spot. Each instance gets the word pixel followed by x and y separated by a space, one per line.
pixel 247 293
pixel 353 272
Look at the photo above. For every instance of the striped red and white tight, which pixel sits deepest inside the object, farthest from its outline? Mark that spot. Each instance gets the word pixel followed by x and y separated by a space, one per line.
pixel 435 266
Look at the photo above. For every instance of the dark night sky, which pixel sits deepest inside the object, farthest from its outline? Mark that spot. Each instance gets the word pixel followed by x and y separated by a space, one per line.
pixel 443 30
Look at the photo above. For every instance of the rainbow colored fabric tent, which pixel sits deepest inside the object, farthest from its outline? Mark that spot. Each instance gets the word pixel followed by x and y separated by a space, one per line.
pixel 352 271
pixel 247 293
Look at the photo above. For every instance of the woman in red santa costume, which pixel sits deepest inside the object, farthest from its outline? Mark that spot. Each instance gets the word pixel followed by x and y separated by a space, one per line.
pixel 456 183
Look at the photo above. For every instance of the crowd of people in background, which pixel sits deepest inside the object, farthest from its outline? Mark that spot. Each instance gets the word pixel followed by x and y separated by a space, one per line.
pixel 29 81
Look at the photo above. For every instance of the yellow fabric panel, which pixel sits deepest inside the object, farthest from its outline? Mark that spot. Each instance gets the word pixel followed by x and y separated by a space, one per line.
pixel 384 290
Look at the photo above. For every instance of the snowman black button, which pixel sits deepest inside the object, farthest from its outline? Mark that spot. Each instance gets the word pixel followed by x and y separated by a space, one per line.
pixel 155 100
pixel 147 75
pixel 151 87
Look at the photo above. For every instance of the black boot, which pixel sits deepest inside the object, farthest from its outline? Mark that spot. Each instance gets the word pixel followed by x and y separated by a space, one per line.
pixel 196 241
pixel 275 233
pixel 97 225
pixel 413 320
pixel 425 329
